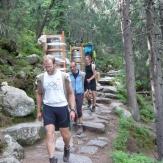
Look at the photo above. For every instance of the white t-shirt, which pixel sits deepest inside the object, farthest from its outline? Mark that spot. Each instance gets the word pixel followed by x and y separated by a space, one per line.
pixel 54 91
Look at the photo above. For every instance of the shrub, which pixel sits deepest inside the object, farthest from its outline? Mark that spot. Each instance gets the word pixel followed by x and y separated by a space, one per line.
pixel 131 130
pixel 146 109
pixel 121 157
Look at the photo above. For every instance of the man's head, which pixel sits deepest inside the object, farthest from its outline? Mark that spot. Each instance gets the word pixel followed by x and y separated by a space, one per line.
pixel 49 64
pixel 73 67
pixel 88 60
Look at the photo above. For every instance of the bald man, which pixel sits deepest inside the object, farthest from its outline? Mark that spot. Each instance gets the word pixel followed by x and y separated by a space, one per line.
pixel 77 81
pixel 53 88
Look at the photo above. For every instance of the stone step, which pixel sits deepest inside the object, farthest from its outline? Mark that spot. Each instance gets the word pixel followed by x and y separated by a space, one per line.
pixel 26 133
pixel 94 127
pixel 107 81
pixel 106 95
pixel 103 100
pixel 9 160
pixel 113 73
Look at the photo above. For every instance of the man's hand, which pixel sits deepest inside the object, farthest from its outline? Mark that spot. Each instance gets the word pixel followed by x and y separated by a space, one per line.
pixel 39 115
pixel 72 115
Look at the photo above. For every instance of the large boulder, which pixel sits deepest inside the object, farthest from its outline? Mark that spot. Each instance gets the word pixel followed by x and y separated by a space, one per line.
pixel 107 80
pixel 16 102
pixel 95 127
pixel 33 59
pixel 113 73
pixel 12 148
pixel 9 160
pixel 26 133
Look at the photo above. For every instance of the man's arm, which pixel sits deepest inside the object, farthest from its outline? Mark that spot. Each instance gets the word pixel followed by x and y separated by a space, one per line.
pixel 39 105
pixel 71 96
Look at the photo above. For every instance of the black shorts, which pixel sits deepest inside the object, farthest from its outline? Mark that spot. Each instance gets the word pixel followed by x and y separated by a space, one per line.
pixel 91 86
pixel 58 116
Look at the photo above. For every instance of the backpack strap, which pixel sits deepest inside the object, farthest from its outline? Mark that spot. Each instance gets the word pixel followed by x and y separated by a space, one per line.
pixel 65 83
pixel 39 83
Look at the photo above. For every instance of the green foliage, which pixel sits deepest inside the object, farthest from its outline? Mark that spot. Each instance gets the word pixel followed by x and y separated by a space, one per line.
pixel 28 44
pixel 121 157
pixel 120 142
pixel 129 129
pixel 143 84
pixel 4 120
pixel 28 118
pixel 121 87
pixel 146 109
pixel 108 61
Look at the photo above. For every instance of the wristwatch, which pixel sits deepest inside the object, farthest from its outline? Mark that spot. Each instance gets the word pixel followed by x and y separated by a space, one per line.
pixel 72 110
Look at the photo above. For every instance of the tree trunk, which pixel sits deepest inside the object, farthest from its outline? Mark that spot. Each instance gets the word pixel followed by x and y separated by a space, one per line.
pixel 161 16
pixel 42 25
pixel 129 59
pixel 156 74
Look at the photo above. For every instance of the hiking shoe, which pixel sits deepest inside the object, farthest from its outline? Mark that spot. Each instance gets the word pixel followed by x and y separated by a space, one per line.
pixel 80 130
pixel 93 109
pixel 89 103
pixel 53 160
pixel 66 154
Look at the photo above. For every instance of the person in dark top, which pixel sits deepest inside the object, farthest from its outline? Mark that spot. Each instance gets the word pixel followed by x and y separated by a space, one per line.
pixel 90 83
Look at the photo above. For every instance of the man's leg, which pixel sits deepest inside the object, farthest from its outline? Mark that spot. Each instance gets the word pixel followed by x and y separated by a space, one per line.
pixel 94 100
pixel 50 142
pixel 50 139
pixel 66 135
pixel 79 103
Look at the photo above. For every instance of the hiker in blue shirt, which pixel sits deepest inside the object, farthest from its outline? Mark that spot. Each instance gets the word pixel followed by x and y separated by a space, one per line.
pixel 77 81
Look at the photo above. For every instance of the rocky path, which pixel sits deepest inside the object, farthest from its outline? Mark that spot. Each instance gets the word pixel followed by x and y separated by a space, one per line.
pixel 94 145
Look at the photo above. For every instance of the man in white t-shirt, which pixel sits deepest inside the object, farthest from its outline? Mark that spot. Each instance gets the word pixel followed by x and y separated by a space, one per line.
pixel 53 88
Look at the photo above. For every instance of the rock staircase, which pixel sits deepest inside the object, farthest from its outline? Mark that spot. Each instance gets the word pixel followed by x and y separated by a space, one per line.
pixel 94 145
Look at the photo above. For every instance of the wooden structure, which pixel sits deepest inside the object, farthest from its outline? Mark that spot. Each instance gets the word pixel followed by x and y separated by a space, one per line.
pixel 55 46
pixel 77 56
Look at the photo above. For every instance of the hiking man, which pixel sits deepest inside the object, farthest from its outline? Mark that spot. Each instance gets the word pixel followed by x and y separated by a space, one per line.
pixel 77 81
pixel 90 83
pixel 52 88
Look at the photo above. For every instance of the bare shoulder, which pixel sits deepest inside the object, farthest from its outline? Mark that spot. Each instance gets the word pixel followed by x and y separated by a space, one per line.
pixel 66 76
pixel 82 73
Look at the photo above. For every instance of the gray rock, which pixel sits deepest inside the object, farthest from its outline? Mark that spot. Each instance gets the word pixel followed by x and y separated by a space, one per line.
pixel 124 111
pixel 99 88
pixel 86 116
pixel 109 89
pixel 26 133
pixel 33 59
pixel 103 121
pixel 103 100
pixel 107 81
pixel 106 95
pixel 21 74
pixel 93 126
pixel 88 150
pixel 110 95
pixel 60 144
pixel 103 110
pixel 16 102
pixel 113 73
pixel 9 160
pixel 103 138
pixel 115 104
pixel 74 158
pixel 12 148
pixel 98 143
